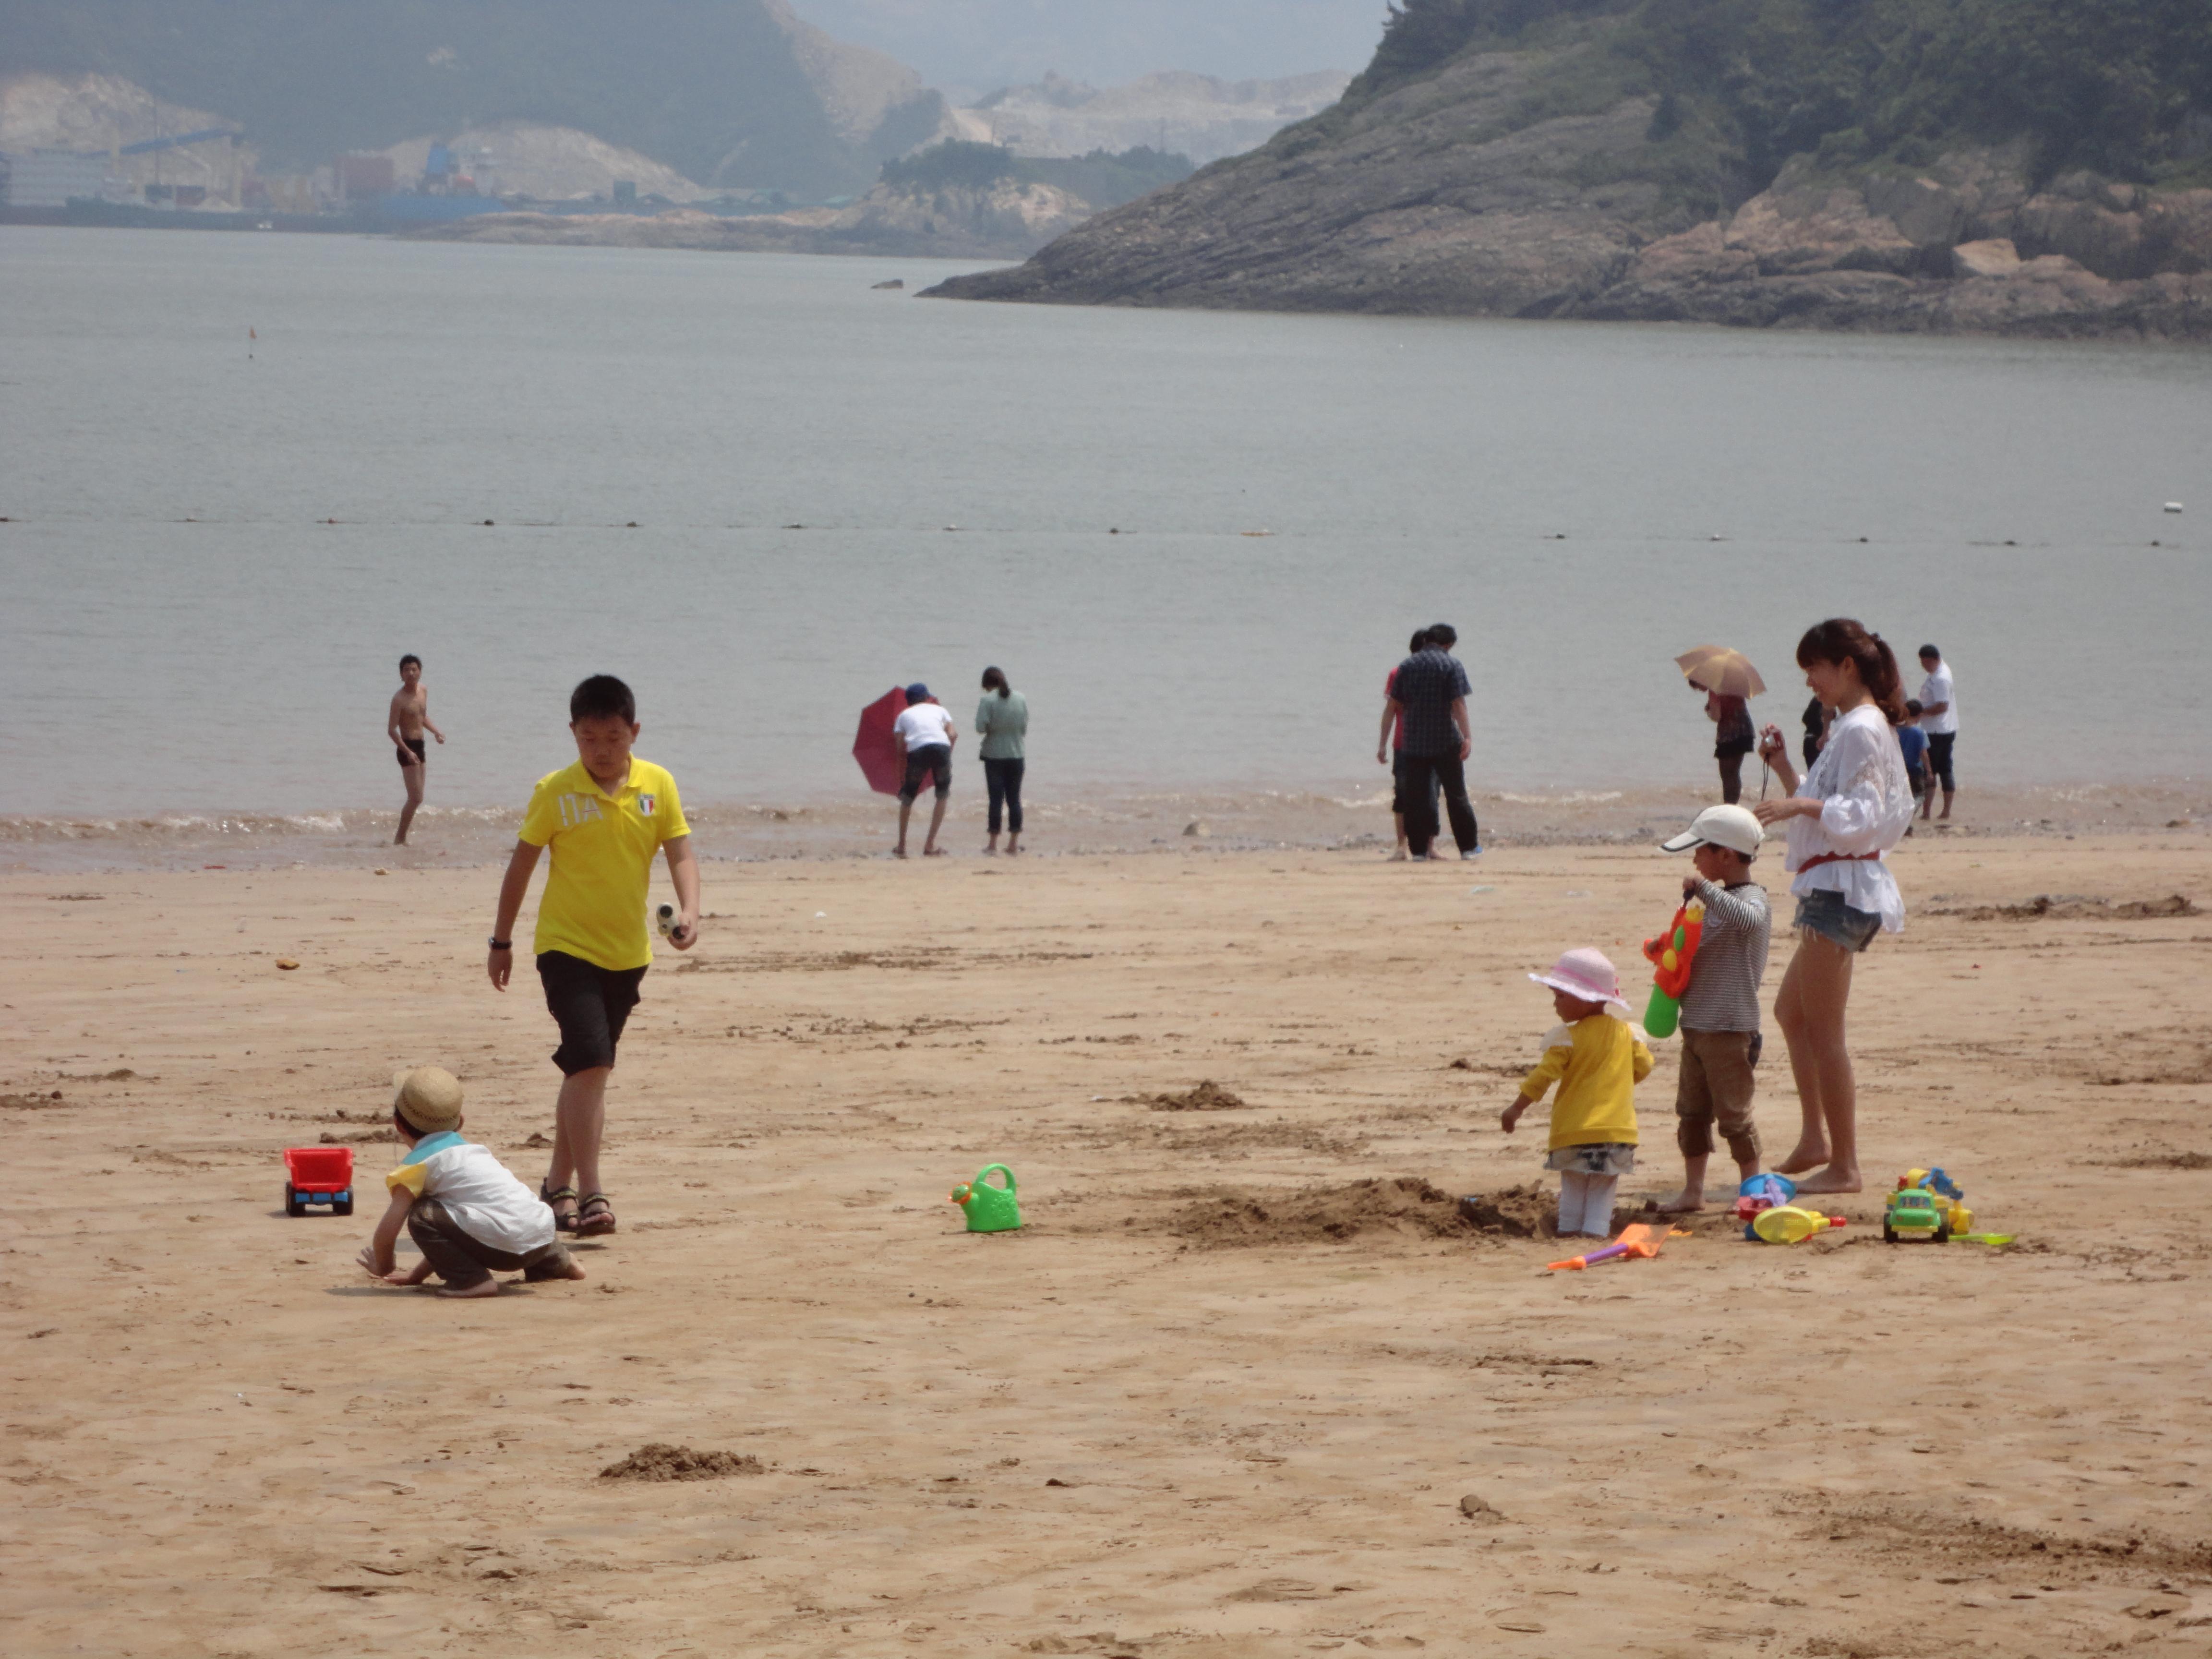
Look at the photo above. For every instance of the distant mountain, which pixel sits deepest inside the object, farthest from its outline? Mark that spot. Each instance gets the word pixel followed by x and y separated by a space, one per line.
pixel 2036 167
pixel 730 93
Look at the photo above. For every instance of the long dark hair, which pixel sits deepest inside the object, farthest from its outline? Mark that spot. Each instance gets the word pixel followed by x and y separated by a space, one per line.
pixel 995 679
pixel 1842 639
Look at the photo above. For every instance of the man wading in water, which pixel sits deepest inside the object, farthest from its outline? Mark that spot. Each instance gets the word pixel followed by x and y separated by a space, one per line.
pixel 404 723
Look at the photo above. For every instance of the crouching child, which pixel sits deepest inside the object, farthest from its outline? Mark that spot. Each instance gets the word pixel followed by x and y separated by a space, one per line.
pixel 465 1212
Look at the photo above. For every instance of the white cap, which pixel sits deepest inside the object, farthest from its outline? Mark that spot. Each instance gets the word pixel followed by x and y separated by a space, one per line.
pixel 1732 827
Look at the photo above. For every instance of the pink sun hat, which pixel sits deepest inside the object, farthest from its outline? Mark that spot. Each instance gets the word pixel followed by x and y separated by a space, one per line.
pixel 1590 975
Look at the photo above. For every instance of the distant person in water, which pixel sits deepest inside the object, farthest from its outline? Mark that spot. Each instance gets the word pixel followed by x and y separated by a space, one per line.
pixel 925 735
pixel 1734 737
pixel 1390 751
pixel 1002 721
pixel 404 723
pixel 1939 718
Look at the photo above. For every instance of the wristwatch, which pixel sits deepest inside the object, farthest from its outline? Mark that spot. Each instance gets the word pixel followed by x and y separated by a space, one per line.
pixel 501 944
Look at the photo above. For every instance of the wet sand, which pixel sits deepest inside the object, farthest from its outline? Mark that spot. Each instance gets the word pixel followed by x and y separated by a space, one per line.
pixel 1214 1399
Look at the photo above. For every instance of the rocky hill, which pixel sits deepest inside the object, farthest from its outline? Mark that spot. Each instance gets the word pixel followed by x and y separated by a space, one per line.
pixel 2007 166
pixel 733 94
pixel 1195 115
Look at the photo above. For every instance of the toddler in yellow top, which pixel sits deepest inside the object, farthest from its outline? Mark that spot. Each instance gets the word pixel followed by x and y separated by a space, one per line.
pixel 1597 1058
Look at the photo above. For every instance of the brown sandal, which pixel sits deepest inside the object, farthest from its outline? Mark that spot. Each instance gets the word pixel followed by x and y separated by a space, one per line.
pixel 597 1216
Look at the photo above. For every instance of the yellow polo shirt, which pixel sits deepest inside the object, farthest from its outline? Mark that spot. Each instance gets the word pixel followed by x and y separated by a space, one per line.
pixel 603 846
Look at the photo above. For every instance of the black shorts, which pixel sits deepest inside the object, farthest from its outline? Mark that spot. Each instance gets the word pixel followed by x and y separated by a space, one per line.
pixel 935 757
pixel 591 1005
pixel 420 746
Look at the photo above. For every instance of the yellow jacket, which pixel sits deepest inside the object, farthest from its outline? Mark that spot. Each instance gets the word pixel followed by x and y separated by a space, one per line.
pixel 1598 1063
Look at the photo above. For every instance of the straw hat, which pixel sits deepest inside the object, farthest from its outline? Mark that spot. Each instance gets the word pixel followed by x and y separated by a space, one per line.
pixel 1589 974
pixel 427 1097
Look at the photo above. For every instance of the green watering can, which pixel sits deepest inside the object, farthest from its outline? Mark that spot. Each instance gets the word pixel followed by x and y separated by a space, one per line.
pixel 990 1209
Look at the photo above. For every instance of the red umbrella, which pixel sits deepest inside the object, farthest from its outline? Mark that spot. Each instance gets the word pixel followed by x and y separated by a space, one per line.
pixel 875 746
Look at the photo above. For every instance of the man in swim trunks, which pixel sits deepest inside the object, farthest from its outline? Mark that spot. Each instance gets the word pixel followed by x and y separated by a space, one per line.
pixel 408 719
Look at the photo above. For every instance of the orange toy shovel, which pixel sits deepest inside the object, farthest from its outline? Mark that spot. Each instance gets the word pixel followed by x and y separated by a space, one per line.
pixel 1638 1240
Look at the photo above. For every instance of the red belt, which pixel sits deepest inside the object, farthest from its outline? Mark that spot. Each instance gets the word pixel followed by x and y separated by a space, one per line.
pixel 1836 857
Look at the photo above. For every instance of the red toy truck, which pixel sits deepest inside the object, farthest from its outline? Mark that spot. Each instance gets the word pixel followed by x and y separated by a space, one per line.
pixel 317 1175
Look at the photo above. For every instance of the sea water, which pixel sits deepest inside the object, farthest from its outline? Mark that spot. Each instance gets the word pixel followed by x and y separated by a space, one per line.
pixel 242 474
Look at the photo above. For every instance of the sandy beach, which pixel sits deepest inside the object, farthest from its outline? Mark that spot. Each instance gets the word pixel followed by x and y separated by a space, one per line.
pixel 1219 1397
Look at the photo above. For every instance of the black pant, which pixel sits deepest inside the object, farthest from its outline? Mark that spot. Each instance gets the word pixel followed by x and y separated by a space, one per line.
pixel 1731 761
pixel 1423 773
pixel 591 1005
pixel 1003 778
pixel 1938 758
pixel 463 1259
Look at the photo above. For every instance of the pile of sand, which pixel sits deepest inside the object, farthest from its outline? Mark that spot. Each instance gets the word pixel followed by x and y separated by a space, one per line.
pixel 1208 1096
pixel 1393 1207
pixel 658 1461
pixel 2074 906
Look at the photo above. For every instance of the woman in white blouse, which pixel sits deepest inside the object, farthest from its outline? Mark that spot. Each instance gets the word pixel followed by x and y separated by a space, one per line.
pixel 1852 807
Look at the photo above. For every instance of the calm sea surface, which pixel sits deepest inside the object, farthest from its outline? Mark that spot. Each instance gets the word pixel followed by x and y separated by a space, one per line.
pixel 218 544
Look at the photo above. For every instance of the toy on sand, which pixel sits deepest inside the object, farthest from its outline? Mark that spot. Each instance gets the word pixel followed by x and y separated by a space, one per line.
pixel 1927 1205
pixel 1760 1193
pixel 990 1209
pixel 317 1175
pixel 1671 955
pixel 1638 1242
pixel 1785 1224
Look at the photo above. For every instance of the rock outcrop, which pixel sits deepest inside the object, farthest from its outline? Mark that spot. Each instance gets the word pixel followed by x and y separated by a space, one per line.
pixel 1458 193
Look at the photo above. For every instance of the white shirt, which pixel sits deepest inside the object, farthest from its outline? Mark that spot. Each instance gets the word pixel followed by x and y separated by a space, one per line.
pixel 1936 688
pixel 924 724
pixel 487 1201
pixel 1866 807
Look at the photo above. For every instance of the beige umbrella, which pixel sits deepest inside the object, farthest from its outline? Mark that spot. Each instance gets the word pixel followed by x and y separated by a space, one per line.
pixel 1716 668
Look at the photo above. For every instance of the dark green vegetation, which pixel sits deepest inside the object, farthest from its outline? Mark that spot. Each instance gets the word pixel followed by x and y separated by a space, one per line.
pixel 711 87
pixel 2123 87
pixel 1103 180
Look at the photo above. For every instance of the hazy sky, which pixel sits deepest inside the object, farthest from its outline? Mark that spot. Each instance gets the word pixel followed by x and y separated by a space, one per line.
pixel 974 46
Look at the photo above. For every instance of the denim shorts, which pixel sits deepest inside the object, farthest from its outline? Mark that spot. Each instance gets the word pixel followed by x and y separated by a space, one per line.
pixel 1826 913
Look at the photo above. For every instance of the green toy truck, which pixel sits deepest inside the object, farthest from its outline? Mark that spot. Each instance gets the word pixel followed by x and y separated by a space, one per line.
pixel 1916 1212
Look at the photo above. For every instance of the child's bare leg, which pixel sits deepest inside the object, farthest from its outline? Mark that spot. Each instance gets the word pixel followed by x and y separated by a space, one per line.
pixel 1812 1149
pixel 905 812
pixel 1692 1195
pixel 577 1119
pixel 1824 987
pixel 936 822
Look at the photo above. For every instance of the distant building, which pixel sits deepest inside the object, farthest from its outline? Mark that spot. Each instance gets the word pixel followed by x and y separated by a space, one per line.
pixel 54 177
pixel 365 175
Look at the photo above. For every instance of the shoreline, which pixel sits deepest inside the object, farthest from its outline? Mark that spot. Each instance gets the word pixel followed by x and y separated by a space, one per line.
pixel 861 826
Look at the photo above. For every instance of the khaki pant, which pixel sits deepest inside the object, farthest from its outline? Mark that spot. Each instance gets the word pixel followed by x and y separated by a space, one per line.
pixel 1716 1083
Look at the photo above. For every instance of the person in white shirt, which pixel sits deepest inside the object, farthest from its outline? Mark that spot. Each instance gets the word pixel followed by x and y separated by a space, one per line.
pixel 1939 718
pixel 1852 806
pixel 925 735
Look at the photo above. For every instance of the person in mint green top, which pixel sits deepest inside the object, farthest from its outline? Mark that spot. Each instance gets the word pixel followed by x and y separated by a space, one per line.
pixel 1002 719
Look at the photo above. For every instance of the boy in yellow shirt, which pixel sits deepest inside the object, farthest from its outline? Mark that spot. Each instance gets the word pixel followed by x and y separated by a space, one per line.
pixel 603 818
pixel 1597 1058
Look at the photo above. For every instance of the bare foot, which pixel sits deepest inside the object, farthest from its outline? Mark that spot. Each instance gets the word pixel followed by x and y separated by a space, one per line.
pixel 574 1269
pixel 933 852
pixel 489 1287
pixel 1810 1155
pixel 1683 1203
pixel 1833 1179
pixel 899 852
